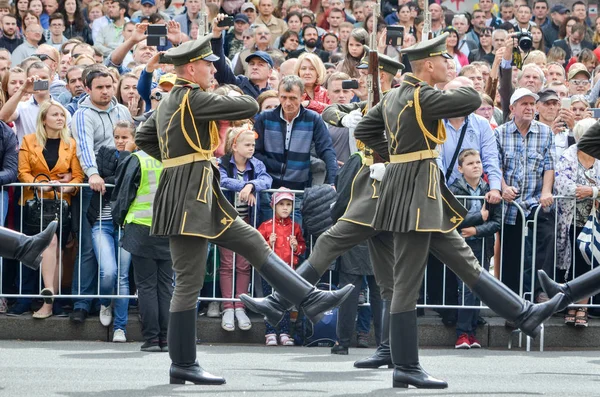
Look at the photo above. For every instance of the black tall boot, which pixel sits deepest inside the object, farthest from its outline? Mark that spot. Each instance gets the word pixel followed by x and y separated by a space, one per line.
pixel 26 249
pixel 293 290
pixel 404 338
pixel 182 350
pixel 584 286
pixel 382 355
pixel 502 300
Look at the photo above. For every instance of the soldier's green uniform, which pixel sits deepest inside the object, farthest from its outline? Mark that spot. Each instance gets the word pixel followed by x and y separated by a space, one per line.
pixel 416 205
pixel 353 227
pixel 190 208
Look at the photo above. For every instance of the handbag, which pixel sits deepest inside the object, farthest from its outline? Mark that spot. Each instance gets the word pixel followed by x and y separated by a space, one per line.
pixel 39 213
pixel 588 240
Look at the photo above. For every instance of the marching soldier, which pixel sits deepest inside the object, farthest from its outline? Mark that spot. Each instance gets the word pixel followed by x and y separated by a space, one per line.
pixel 190 208
pixel 352 228
pixel 417 207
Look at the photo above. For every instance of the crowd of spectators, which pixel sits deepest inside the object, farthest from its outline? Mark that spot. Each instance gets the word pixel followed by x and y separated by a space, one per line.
pixel 103 78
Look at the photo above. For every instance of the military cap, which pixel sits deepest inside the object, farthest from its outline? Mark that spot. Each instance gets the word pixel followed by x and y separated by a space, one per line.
pixel 386 63
pixel 191 51
pixel 428 49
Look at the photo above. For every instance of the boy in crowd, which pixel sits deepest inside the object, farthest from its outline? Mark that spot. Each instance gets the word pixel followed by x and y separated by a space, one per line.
pixel 481 223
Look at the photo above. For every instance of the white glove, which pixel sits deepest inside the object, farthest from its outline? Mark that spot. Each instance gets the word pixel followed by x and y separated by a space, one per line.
pixel 351 119
pixel 377 171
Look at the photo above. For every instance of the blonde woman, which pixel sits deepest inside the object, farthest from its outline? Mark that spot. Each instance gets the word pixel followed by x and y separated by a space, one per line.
pixel 51 151
pixel 312 71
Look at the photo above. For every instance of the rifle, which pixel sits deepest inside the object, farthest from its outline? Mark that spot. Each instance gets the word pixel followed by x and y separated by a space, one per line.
pixel 374 94
pixel 202 20
pixel 426 33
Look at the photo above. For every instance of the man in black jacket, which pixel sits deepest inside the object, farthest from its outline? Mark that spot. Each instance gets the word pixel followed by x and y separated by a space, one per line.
pixel 10 33
pixel 310 35
pixel 558 15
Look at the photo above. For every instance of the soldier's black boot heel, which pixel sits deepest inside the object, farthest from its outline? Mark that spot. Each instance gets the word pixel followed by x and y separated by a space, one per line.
pixel 404 345
pixel 584 286
pixel 502 300
pixel 294 290
pixel 26 249
pixel 382 355
pixel 182 350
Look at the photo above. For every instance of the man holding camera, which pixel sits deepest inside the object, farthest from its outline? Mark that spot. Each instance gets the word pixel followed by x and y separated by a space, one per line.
pixel 259 63
pixel 24 114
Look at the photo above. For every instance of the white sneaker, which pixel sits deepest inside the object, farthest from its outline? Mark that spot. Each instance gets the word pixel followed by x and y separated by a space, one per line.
pixel 119 336
pixel 106 315
pixel 227 322
pixel 242 319
pixel 213 310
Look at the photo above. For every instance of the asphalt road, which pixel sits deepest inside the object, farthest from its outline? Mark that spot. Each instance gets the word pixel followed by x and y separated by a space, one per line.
pixel 107 369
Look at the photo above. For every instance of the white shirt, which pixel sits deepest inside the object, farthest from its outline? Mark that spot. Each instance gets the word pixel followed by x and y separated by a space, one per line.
pixel 27 113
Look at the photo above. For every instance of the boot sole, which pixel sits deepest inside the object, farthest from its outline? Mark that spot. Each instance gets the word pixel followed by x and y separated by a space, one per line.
pixel 389 366
pixel 314 319
pixel 253 307
pixel 551 307
pixel 178 381
pixel 404 385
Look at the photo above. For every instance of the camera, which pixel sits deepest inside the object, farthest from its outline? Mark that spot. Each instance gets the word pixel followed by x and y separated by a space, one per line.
pixel 41 85
pixel 157 35
pixel 350 84
pixel 395 36
pixel 525 40
pixel 226 22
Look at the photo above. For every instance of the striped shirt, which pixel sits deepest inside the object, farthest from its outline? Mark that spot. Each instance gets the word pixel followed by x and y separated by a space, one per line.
pixel 523 162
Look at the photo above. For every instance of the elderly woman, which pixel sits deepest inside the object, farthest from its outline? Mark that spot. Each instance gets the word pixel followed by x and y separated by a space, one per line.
pixel 580 108
pixel 578 175
pixel 312 71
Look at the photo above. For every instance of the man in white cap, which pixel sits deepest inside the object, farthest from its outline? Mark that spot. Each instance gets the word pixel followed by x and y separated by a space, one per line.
pixel 527 158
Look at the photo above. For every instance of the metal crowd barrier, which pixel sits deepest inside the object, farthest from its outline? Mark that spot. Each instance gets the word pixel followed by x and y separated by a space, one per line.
pixel 524 290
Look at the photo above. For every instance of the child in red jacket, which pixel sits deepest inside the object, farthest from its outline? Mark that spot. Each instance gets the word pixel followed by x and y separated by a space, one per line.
pixel 285 237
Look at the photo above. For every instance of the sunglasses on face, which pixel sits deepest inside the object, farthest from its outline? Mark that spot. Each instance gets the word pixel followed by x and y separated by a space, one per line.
pixel 44 57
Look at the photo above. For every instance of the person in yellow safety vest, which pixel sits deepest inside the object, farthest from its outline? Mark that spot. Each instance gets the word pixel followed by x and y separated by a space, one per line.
pixel 133 197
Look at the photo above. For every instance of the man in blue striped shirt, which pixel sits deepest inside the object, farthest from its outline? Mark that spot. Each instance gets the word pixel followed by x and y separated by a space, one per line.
pixel 527 157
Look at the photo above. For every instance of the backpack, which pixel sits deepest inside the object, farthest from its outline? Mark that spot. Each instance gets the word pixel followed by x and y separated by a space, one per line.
pixel 321 334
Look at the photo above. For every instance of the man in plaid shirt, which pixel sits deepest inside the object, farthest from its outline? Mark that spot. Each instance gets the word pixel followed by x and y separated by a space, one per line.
pixel 527 158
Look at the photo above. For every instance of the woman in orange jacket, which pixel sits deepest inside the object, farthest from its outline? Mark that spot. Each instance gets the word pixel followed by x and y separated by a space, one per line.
pixel 50 151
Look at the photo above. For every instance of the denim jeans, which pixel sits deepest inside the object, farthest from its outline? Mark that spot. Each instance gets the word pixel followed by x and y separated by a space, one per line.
pixel 3 205
pixel 105 238
pixel 86 266
pixel 363 318
pixel 467 318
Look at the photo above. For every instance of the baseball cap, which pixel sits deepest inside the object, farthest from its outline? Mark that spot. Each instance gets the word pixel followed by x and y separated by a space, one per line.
pixel 548 95
pixel 262 55
pixel 151 2
pixel 521 93
pixel 241 18
pixel 281 194
pixel 245 6
pixel 167 78
pixel 576 69
pixel 561 9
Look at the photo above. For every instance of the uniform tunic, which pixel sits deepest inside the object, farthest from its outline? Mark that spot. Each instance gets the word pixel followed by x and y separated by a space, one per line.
pixel 413 196
pixel 189 200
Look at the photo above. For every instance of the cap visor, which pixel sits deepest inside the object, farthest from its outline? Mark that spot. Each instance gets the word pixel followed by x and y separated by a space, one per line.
pixel 550 98
pixel 362 66
pixel 212 58
pixel 447 56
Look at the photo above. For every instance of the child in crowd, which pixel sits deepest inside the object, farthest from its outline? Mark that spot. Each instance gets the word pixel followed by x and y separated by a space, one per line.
pixel 285 237
pixel 113 261
pixel 243 176
pixel 481 223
